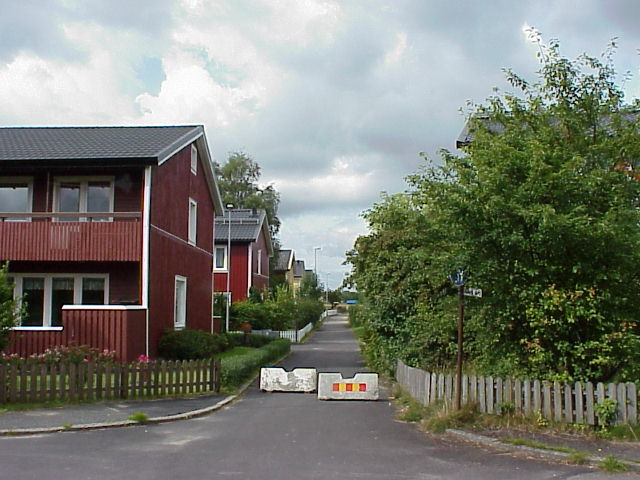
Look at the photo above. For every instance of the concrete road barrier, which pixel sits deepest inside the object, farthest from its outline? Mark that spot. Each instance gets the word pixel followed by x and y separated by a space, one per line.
pixel 363 386
pixel 276 379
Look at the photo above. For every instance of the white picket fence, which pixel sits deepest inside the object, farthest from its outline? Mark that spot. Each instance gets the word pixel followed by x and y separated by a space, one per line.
pixel 293 335
pixel 555 401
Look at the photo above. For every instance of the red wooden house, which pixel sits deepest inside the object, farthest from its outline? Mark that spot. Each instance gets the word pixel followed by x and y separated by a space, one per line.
pixel 251 248
pixel 109 234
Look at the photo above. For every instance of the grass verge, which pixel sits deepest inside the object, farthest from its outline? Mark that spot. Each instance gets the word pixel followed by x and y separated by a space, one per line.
pixel 611 464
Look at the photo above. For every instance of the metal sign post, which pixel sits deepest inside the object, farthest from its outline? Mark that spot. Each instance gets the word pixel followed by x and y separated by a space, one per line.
pixel 459 280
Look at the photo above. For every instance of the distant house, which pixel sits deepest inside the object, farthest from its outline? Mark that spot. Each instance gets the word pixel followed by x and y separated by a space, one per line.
pixel 251 248
pixel 283 271
pixel 109 234
pixel 298 275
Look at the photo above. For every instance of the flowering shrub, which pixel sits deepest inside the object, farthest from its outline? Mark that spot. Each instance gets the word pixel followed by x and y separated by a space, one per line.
pixel 63 354
pixel 142 358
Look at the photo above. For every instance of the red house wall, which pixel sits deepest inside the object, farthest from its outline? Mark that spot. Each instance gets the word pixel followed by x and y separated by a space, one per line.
pixel 239 273
pixel 119 330
pixel 261 281
pixel 171 254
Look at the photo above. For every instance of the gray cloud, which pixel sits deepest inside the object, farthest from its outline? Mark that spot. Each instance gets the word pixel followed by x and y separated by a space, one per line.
pixel 355 91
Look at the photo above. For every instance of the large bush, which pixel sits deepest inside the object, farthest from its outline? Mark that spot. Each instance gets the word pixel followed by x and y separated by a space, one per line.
pixel 308 310
pixel 247 340
pixel 259 315
pixel 190 344
pixel 542 210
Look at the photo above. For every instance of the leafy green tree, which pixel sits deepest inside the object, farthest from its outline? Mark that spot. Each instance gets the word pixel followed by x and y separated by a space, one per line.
pixel 10 309
pixel 309 287
pixel 542 210
pixel 238 182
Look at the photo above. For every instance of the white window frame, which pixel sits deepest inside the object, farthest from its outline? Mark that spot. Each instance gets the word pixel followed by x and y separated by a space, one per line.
pixel 259 269
pixel 84 187
pixel 192 235
pixel 48 292
pixel 180 310
pixel 29 182
pixel 224 268
pixel 194 159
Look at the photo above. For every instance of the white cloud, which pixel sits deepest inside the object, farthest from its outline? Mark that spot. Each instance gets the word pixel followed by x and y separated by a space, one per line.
pixel 333 99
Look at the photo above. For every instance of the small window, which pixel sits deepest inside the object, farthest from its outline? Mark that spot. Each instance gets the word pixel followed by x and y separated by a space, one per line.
pixel 180 303
pixel 194 160
pixel 33 291
pixel 221 258
pixel 92 291
pixel 61 294
pixel 193 221
pixel 15 197
pixel 259 262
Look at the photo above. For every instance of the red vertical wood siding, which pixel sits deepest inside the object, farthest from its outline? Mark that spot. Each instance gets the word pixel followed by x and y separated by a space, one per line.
pixel 172 185
pixel 122 331
pixel 239 273
pixel 261 281
pixel 70 241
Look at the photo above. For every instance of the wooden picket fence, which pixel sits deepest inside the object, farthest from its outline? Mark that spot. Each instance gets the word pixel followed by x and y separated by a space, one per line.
pixel 555 401
pixel 26 382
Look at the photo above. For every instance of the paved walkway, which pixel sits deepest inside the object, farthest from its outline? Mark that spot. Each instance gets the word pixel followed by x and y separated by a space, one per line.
pixel 102 413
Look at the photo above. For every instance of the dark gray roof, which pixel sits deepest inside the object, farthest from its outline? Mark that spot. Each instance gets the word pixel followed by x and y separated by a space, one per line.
pixel 148 144
pixel 246 225
pixel 466 136
pixel 298 268
pixel 284 260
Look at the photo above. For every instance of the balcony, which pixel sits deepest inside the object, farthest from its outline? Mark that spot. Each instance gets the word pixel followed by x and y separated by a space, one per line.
pixel 98 236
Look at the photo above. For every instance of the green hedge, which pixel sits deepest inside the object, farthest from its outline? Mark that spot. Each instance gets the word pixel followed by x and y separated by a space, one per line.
pixel 190 344
pixel 250 340
pixel 238 368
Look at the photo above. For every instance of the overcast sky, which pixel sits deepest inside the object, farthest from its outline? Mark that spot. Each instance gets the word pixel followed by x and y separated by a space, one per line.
pixel 334 99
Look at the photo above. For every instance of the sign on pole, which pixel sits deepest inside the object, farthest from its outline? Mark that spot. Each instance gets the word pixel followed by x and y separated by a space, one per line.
pixel 473 292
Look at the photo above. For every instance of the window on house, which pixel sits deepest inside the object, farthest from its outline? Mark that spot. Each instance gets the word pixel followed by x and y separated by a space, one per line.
pixel 93 291
pixel 221 258
pixel 33 291
pixel 61 294
pixel 194 160
pixel 180 302
pixel 193 220
pixel 83 195
pixel 46 294
pixel 259 262
pixel 15 197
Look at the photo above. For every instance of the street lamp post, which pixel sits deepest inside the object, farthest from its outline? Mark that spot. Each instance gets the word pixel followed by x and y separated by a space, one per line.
pixel 315 260
pixel 229 207
pixel 326 298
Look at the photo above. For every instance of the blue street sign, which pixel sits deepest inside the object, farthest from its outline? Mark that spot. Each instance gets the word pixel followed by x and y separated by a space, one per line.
pixel 458 279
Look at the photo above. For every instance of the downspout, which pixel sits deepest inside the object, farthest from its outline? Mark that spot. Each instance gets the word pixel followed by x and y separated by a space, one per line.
pixel 146 224
pixel 250 269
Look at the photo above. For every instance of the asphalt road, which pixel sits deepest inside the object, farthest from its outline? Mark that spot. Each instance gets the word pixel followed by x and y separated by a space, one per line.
pixel 276 436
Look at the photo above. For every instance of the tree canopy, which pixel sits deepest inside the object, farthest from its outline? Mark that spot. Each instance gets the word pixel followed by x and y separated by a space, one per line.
pixel 238 182
pixel 542 211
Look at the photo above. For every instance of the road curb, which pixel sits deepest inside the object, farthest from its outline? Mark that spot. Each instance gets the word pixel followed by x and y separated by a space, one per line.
pixel 553 455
